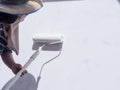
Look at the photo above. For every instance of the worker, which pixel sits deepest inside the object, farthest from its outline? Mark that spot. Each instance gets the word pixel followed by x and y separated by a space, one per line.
pixel 12 12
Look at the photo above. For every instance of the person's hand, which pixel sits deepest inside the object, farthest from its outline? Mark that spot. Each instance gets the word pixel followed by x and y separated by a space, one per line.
pixel 16 68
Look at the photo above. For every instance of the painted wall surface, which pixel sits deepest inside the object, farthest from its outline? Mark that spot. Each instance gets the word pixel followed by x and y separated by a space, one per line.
pixel 90 58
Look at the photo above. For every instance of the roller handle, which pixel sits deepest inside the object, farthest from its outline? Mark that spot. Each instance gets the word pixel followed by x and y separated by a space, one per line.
pixel 35 54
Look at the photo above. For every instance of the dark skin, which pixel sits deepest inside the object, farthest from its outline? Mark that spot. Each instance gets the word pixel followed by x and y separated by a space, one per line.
pixel 9 61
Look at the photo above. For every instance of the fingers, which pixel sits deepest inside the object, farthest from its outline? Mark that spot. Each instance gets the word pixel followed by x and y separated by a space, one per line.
pixel 16 68
pixel 19 67
pixel 24 72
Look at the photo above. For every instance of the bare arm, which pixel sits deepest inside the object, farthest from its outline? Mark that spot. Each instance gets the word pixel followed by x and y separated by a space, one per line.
pixel 9 61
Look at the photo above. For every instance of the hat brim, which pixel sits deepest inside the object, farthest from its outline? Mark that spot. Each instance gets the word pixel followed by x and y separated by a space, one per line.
pixel 27 8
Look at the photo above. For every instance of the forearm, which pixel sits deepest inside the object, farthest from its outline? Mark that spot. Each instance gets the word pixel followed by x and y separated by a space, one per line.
pixel 8 59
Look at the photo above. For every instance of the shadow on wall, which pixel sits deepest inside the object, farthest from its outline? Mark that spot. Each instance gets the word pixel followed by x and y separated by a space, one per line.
pixel 59 0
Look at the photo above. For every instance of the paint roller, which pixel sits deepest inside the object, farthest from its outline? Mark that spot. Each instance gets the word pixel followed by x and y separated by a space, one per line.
pixel 53 42
pixel 48 39
pixel 44 39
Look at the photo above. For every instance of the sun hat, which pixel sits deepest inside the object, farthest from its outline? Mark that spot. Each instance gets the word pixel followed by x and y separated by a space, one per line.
pixel 20 7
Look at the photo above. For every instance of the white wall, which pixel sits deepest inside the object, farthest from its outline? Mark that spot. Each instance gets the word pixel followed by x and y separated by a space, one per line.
pixel 90 59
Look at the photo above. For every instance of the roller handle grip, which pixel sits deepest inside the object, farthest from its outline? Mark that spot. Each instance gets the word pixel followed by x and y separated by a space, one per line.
pixel 35 54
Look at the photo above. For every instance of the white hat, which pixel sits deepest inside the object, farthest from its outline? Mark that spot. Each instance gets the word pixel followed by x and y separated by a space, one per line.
pixel 19 7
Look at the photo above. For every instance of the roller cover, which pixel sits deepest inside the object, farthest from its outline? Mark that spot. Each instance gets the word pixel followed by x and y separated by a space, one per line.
pixel 47 38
